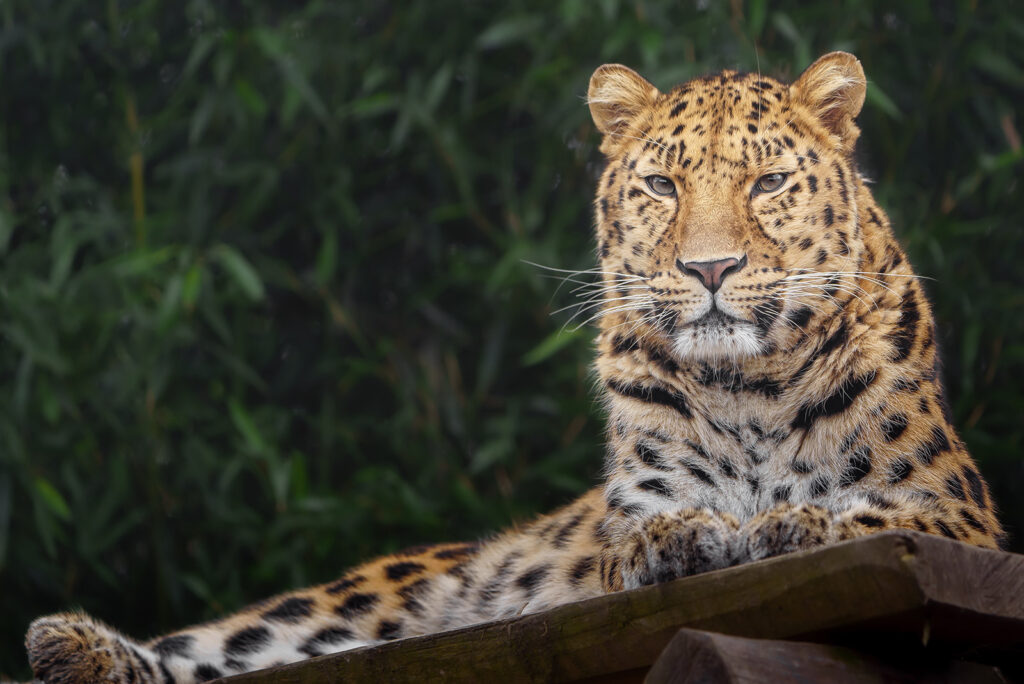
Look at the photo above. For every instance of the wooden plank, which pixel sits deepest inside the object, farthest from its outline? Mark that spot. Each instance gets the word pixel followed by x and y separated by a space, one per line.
pixel 896 582
pixel 696 656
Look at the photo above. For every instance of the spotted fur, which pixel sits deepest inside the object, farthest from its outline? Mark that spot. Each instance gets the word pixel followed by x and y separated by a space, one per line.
pixel 770 372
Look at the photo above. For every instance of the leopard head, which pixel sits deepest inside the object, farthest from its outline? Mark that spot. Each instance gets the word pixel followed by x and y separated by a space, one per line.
pixel 727 213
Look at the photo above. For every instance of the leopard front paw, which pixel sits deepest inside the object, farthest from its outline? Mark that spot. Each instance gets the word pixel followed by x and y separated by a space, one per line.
pixel 785 529
pixel 68 648
pixel 679 544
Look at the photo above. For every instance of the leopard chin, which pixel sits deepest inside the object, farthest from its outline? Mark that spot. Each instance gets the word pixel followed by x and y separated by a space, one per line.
pixel 717 336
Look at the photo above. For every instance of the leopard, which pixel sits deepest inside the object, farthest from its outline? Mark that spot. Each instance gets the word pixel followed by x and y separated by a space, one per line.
pixel 767 360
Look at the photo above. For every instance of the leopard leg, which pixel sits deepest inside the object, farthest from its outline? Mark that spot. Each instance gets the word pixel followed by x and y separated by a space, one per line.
pixel 675 544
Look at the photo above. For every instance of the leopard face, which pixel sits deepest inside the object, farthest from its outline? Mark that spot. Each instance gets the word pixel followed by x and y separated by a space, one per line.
pixel 726 215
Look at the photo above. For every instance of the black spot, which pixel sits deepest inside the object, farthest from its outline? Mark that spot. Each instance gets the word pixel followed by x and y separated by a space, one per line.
pixel 649 457
pixel 822 257
pixel 412 593
pixel 248 640
pixel 904 335
pixel 955 488
pixel 972 521
pixel 175 645
pixel 812 182
pixel 566 531
pixel 615 502
pixel 146 667
pixel 802 467
pixel 806 243
pixel 700 473
pixel 328 636
pixel 781 493
pixel 399 571
pixel 388 630
pixel 656 485
pixel 901 470
pixel 290 610
pixel 356 605
pixel 652 395
pixel 752 128
pixel 634 193
pixel 800 317
pixel 879 501
pixel 529 580
pixel 944 529
pixel 345 584
pixel 937 444
pixel 869 521
pixel 906 385
pixel 622 344
pixel 205 672
pixel 837 402
pixel 829 216
pixel 236 664
pixel 678 108
pixel 580 569
pixel 819 486
pixel 727 469
pixel 975 485
pixel 894 426
pixel 765 314
pixel 858 467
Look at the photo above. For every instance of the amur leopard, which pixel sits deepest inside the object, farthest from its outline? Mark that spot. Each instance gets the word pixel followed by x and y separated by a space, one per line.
pixel 769 369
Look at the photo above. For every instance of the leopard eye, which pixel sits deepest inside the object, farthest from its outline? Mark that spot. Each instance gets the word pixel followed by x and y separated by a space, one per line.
pixel 770 182
pixel 660 185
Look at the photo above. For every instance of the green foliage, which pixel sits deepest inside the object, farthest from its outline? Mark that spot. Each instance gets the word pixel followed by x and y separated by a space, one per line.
pixel 264 310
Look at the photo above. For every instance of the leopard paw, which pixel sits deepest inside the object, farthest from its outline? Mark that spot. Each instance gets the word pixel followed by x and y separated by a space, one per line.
pixel 679 544
pixel 785 529
pixel 68 648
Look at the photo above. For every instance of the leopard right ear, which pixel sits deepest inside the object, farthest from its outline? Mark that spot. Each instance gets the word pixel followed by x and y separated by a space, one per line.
pixel 616 95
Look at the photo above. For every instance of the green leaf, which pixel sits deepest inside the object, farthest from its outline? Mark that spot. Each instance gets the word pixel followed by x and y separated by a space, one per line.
pixel 551 345
pixel 508 31
pixel 283 56
pixel 52 498
pixel 240 270
pixel 247 427
pixel 326 257
pixel 877 98
pixel 757 13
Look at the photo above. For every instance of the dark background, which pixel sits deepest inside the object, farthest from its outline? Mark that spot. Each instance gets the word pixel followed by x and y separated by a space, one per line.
pixel 264 310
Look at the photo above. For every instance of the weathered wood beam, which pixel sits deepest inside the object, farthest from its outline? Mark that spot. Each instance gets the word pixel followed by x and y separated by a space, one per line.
pixel 904 583
pixel 694 656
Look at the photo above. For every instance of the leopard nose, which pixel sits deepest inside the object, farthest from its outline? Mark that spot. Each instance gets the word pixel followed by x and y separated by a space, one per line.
pixel 712 273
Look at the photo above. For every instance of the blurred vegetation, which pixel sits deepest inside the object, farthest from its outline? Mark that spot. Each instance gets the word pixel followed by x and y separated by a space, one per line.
pixel 264 310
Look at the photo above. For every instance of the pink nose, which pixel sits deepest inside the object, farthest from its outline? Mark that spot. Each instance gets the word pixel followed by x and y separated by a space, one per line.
pixel 712 273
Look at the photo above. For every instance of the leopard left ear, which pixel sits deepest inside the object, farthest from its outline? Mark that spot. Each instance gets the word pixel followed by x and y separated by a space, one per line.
pixel 833 89
pixel 617 96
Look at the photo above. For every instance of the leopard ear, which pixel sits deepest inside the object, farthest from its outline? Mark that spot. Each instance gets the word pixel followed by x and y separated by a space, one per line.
pixel 616 95
pixel 833 89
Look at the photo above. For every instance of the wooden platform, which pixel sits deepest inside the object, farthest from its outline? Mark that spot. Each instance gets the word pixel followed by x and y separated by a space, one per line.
pixel 902 606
